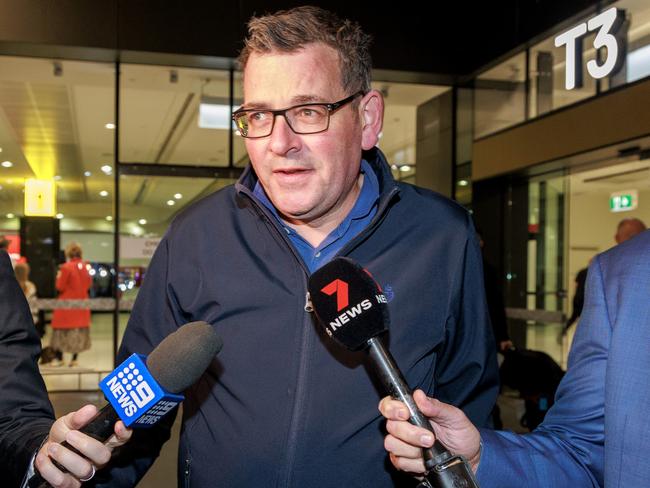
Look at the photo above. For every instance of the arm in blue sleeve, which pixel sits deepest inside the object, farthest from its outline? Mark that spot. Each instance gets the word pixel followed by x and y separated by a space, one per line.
pixel 467 373
pixel 567 448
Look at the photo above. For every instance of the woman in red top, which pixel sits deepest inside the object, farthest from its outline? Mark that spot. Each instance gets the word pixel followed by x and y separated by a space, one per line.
pixel 71 326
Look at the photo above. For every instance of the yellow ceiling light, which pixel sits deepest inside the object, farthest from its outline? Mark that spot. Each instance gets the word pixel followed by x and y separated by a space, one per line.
pixel 40 198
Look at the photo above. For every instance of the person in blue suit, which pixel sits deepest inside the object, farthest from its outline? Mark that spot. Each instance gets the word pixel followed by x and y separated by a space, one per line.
pixel 598 431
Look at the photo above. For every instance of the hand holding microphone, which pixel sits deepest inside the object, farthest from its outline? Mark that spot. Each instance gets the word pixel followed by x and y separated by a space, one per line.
pixel 353 310
pixel 404 441
pixel 140 392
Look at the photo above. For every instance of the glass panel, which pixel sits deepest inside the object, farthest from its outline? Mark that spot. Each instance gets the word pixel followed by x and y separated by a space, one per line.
pixel 464 142
pixel 548 76
pixel 399 136
pixel 464 125
pixel 464 184
pixel 53 128
pixel 240 156
pixel 636 29
pixel 500 96
pixel 175 116
pixel 546 254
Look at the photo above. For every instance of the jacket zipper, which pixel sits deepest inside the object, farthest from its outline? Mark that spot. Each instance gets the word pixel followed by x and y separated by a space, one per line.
pixel 186 473
pixel 284 479
pixel 299 392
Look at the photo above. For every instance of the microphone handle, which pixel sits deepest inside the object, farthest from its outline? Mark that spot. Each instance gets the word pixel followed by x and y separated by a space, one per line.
pixel 100 427
pixel 444 470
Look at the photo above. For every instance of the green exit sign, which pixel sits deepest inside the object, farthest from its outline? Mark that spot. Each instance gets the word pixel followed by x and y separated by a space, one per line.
pixel 623 201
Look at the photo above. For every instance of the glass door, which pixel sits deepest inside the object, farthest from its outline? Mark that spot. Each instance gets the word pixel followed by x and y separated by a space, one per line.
pixel 546 290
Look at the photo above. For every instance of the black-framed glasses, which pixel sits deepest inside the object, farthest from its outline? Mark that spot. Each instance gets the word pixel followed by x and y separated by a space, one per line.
pixel 307 118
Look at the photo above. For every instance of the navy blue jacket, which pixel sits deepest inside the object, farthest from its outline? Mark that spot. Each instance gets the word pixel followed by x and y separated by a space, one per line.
pixel 281 405
pixel 25 411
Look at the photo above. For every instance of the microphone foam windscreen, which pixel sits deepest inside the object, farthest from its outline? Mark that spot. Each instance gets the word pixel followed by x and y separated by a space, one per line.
pixel 183 356
pixel 348 303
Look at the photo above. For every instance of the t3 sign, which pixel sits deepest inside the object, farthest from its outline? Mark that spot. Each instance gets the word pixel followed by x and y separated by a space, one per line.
pixel 607 25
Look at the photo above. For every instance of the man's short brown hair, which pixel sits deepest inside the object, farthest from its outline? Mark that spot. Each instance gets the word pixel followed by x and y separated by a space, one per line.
pixel 288 31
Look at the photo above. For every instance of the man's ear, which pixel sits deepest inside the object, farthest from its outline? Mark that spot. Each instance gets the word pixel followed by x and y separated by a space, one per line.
pixel 371 111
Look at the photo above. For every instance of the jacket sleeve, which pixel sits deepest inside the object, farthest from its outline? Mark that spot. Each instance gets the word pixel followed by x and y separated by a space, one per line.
pixel 567 448
pixel 25 410
pixel 62 278
pixel 151 320
pixel 467 371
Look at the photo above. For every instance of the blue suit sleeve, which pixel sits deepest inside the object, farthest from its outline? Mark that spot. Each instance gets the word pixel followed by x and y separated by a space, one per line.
pixel 567 448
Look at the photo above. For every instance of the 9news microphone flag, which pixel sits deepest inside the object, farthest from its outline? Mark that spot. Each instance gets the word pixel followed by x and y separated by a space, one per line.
pixel 142 390
pixel 353 310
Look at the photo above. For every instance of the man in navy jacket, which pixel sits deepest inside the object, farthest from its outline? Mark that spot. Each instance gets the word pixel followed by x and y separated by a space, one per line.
pixel 282 405
pixel 598 432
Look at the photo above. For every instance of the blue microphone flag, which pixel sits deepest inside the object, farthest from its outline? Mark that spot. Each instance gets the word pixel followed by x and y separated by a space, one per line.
pixel 135 395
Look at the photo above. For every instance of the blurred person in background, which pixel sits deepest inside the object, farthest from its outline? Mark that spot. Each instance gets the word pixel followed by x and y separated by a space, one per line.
pixel 628 228
pixel 29 289
pixel 4 246
pixel 70 327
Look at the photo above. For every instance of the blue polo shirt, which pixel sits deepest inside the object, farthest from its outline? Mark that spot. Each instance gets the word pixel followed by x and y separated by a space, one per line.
pixel 358 219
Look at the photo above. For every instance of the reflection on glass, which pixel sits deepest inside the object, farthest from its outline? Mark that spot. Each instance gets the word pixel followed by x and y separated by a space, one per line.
pixel 548 74
pixel 160 115
pixel 500 96
pixel 53 127
pixel 412 124
pixel 636 30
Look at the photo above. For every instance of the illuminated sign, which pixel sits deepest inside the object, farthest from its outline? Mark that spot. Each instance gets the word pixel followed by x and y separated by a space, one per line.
pixel 40 198
pixel 622 201
pixel 607 25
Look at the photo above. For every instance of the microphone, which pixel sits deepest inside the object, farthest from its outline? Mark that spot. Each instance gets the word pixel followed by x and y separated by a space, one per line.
pixel 141 390
pixel 353 310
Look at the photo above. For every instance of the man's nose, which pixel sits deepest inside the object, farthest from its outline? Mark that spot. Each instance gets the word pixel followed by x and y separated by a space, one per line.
pixel 283 138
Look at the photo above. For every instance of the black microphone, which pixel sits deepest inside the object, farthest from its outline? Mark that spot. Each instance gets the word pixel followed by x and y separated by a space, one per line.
pixel 143 398
pixel 353 310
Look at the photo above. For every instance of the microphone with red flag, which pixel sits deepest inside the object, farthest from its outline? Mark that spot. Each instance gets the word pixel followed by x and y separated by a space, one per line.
pixel 353 310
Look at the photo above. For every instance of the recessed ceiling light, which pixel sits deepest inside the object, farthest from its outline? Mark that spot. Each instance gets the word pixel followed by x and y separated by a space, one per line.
pixel 171 202
pixel 87 173
pixel 109 218
pixel 103 193
pixel 405 168
pixel 142 221
pixel 110 126
pixel 10 216
pixel 178 196
pixel 463 183
pixel 7 164
pixel 57 177
pixel 59 216
pixel 107 169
